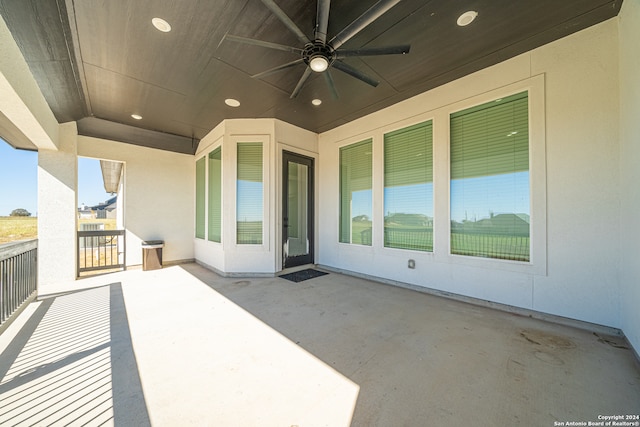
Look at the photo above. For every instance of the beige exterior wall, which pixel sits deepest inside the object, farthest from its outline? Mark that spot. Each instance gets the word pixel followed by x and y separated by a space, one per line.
pixel 574 175
pixel 629 31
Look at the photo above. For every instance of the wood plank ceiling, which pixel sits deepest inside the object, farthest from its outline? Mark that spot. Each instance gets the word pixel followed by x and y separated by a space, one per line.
pixel 98 62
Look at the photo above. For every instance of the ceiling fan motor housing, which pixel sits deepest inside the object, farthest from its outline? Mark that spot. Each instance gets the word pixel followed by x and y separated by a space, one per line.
pixel 317 49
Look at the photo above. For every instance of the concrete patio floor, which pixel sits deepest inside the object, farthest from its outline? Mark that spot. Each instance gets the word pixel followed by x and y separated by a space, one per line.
pixel 184 346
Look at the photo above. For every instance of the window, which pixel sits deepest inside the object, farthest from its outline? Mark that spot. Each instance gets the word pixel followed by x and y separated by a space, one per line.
pixel 200 197
pixel 355 193
pixel 215 195
pixel 490 212
pixel 249 206
pixel 408 188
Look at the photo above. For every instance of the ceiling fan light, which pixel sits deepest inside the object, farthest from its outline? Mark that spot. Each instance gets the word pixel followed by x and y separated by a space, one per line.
pixel 319 64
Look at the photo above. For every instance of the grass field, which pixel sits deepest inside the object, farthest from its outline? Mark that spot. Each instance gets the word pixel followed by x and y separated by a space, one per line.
pixel 357 236
pixel 14 228
pixel 515 248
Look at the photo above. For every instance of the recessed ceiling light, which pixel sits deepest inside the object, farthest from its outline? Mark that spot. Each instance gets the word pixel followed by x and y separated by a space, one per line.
pixel 232 102
pixel 467 18
pixel 137 116
pixel 316 102
pixel 161 25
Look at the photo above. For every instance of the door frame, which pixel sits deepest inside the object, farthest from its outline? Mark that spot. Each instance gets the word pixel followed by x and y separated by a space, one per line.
pixel 309 258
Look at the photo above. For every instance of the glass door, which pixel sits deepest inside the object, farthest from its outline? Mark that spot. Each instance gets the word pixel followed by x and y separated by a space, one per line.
pixel 297 210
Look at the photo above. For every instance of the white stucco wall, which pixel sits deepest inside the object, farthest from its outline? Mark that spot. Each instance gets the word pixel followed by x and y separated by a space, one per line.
pixel 228 257
pixel 582 167
pixel 578 277
pixel 158 196
pixel 57 212
pixel 629 32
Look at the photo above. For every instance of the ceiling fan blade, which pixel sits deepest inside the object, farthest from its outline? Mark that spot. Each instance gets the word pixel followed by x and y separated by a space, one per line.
pixel 373 13
pixel 345 68
pixel 390 50
pixel 278 68
pixel 262 43
pixel 275 9
pixel 332 87
pixel 303 79
pixel 322 20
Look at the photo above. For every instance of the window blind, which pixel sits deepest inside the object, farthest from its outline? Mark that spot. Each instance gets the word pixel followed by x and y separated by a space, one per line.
pixel 355 193
pixel 408 188
pixel 200 197
pixel 490 180
pixel 215 195
pixel 249 205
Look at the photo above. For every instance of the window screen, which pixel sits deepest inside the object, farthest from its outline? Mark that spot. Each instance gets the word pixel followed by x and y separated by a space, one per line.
pixel 200 197
pixel 355 193
pixel 215 195
pixel 490 212
pixel 408 188
pixel 249 194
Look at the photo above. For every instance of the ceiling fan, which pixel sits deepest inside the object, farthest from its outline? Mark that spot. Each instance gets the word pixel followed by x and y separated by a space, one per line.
pixel 319 54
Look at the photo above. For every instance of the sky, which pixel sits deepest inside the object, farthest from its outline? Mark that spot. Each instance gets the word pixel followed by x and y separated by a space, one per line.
pixel 19 180
pixel 474 199
pixel 471 198
pixel 251 193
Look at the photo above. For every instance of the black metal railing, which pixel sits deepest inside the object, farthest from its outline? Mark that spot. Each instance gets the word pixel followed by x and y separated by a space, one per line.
pixel 498 246
pixel 101 250
pixel 18 276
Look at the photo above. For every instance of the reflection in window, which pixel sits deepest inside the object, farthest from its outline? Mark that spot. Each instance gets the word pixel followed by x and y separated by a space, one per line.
pixel 355 193
pixel 408 188
pixel 215 195
pixel 249 209
pixel 490 212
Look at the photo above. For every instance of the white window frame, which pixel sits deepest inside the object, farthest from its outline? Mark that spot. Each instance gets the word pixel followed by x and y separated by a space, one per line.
pixel 266 185
pixel 537 180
